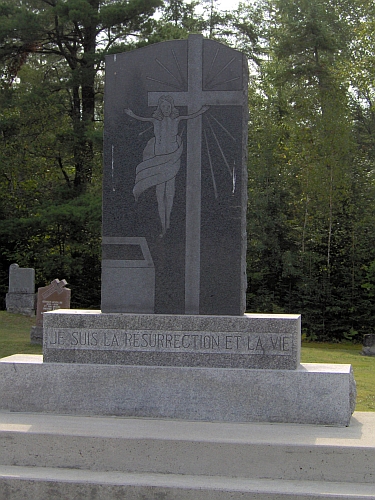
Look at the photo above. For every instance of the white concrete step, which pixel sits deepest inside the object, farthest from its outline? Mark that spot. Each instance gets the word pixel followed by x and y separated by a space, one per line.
pixel 36 483
pixel 53 457
pixel 253 451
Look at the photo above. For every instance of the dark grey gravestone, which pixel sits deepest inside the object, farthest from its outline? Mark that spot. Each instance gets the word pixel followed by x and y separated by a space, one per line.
pixel 368 347
pixel 175 180
pixel 21 295
pixel 21 279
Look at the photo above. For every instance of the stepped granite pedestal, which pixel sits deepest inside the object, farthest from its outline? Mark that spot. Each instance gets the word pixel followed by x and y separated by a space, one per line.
pixel 229 369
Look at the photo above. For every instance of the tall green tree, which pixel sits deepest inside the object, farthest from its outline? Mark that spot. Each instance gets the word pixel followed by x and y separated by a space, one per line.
pixel 307 180
pixel 77 33
pixel 51 66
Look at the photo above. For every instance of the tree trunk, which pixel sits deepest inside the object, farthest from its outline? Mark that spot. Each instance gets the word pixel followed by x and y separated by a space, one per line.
pixel 84 151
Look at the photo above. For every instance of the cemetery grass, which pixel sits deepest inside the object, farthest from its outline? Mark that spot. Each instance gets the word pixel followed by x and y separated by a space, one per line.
pixel 15 339
pixel 346 353
pixel 15 335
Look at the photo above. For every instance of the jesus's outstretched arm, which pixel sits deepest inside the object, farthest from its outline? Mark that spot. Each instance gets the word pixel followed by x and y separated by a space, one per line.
pixel 194 115
pixel 140 118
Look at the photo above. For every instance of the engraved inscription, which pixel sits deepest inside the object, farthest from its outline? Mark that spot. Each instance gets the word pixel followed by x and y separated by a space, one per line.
pixel 187 341
pixel 51 305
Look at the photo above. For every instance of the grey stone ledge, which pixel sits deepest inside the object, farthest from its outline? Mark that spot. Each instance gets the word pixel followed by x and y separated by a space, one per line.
pixel 249 341
pixel 312 394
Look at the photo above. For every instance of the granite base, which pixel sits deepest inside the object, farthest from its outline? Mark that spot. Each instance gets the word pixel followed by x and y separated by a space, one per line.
pixel 267 341
pixel 312 394
pixel 21 303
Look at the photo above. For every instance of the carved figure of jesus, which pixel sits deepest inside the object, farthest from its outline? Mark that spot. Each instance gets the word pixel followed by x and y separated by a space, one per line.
pixel 162 156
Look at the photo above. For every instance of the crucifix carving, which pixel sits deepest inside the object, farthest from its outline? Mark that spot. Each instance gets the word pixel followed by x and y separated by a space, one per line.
pixel 195 99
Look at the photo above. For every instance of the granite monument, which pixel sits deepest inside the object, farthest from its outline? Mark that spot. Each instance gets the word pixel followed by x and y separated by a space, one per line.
pixel 172 339
pixel 175 180
pixel 21 294
pixel 49 298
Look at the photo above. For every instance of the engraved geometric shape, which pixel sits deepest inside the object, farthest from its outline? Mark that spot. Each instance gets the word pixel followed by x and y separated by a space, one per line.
pixel 135 275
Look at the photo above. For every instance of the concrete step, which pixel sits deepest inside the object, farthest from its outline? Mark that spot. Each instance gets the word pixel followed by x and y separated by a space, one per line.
pixel 37 483
pixel 250 450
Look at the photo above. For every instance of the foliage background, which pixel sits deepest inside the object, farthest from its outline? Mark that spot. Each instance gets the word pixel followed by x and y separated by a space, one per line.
pixel 311 247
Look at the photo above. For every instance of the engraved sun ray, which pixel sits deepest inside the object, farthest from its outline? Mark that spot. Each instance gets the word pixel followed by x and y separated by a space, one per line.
pixel 178 67
pixel 168 71
pixel 208 79
pixel 222 126
pixel 113 168
pixel 209 82
pixel 211 166
pixel 146 130
pixel 220 148
pixel 223 82
pixel 163 83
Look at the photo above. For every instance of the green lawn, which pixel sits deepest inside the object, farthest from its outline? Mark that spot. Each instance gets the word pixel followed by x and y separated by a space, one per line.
pixel 363 367
pixel 15 335
pixel 15 338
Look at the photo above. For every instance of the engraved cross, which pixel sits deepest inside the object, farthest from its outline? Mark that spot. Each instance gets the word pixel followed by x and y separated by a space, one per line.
pixel 194 99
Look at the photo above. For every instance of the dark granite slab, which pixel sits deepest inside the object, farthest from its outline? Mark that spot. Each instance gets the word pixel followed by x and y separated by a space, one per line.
pixel 175 180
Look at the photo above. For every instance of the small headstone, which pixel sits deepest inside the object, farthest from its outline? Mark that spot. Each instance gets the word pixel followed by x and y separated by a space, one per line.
pixel 368 347
pixel 21 295
pixel 175 180
pixel 21 279
pixel 51 297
